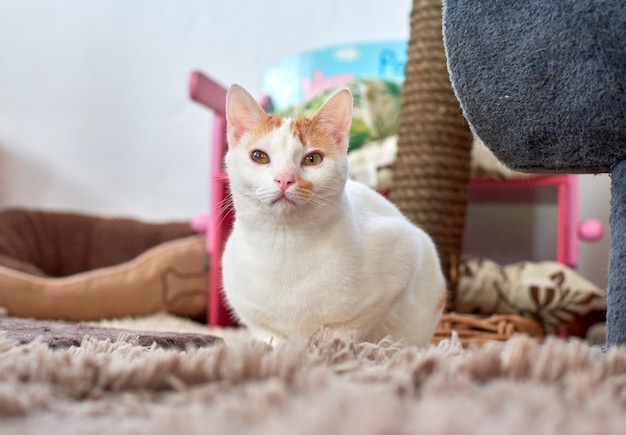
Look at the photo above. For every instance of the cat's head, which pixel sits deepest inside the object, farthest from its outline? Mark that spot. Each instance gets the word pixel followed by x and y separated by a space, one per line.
pixel 282 164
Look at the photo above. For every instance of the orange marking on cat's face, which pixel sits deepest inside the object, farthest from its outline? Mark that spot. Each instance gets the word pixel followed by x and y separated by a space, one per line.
pixel 304 186
pixel 311 135
pixel 263 128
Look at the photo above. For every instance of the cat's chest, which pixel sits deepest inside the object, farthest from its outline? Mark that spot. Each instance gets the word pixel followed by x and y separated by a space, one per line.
pixel 284 275
pixel 288 259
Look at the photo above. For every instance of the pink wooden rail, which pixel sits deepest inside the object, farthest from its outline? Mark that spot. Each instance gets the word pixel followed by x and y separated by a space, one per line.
pixel 568 229
pixel 218 222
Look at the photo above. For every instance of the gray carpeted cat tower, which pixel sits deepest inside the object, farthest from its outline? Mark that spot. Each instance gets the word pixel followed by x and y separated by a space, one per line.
pixel 543 84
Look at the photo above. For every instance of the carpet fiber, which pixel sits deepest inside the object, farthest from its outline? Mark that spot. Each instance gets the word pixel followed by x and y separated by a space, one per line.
pixel 325 386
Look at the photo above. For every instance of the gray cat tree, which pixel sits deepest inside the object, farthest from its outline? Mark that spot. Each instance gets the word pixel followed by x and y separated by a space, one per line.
pixel 543 84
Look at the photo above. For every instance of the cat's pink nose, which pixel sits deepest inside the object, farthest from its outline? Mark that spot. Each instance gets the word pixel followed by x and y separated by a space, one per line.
pixel 285 180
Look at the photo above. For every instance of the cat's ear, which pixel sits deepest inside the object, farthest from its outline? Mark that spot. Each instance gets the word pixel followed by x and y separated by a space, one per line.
pixel 335 117
pixel 242 113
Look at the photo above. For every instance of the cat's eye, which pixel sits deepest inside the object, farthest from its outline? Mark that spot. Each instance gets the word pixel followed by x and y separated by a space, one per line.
pixel 313 159
pixel 260 157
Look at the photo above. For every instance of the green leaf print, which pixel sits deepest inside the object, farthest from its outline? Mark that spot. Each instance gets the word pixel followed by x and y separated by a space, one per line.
pixel 360 133
pixel 376 107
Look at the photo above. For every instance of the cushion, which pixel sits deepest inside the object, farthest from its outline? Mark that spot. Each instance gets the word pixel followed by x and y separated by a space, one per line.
pixel 548 291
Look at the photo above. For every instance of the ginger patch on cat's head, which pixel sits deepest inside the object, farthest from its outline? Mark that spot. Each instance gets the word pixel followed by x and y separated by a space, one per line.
pixel 328 130
pixel 311 135
pixel 264 127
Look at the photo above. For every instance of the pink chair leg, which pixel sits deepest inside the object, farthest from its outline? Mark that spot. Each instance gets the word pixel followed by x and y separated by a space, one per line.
pixel 212 95
pixel 220 224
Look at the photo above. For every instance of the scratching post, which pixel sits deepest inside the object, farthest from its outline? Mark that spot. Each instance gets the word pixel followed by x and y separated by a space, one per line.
pixel 542 84
pixel 432 169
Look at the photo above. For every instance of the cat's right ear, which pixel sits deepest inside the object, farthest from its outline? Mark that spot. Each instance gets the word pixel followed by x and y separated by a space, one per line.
pixel 242 113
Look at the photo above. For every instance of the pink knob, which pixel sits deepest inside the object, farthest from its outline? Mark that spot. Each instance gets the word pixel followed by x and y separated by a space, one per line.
pixel 200 223
pixel 590 230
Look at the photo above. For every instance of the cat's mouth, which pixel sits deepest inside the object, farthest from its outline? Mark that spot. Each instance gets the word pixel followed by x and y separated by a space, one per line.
pixel 283 200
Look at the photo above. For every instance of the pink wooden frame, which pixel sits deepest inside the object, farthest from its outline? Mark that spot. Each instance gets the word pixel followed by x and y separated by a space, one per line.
pixel 218 222
pixel 567 230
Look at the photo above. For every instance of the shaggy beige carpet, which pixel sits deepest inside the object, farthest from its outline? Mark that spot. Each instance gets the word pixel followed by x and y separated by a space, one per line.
pixel 326 386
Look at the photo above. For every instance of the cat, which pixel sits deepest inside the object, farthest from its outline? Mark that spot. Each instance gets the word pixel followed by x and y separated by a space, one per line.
pixel 311 249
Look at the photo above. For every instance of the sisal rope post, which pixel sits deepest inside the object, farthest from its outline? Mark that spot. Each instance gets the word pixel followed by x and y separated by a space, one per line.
pixel 432 170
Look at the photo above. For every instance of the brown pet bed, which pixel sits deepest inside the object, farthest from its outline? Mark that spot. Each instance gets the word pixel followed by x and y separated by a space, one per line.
pixel 71 266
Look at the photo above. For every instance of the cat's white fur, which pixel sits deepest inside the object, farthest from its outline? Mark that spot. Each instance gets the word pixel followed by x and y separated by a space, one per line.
pixel 328 252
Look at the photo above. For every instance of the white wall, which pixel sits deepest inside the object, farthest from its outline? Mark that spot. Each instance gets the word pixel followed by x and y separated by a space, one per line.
pixel 94 113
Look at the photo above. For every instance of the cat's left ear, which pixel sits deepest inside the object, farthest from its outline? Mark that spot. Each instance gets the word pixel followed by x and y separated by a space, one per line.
pixel 242 113
pixel 335 117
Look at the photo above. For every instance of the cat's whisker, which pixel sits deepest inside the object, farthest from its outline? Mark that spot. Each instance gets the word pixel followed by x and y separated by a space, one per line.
pixel 223 209
pixel 323 202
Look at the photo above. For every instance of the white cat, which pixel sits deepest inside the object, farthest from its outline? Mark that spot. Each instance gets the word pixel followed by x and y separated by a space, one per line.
pixel 312 249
